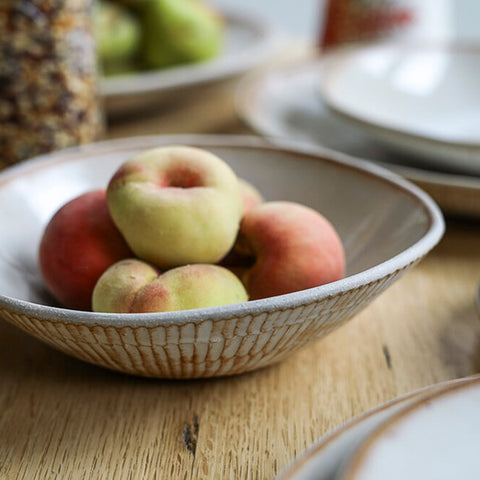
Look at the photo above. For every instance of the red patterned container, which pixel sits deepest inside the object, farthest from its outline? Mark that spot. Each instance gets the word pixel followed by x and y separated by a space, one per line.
pixel 346 21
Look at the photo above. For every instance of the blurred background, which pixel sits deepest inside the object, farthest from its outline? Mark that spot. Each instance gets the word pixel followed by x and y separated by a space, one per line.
pixel 300 18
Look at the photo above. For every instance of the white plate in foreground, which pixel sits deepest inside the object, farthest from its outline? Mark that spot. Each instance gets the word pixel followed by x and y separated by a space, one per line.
pixel 435 438
pixel 424 101
pixel 325 459
pixel 249 41
pixel 284 103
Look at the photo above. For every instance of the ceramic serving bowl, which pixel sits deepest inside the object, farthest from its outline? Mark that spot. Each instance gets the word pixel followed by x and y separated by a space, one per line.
pixel 386 225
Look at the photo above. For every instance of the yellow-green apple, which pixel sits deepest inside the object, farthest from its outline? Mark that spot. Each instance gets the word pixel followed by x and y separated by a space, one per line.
pixel 287 247
pixel 134 286
pixel 78 244
pixel 176 205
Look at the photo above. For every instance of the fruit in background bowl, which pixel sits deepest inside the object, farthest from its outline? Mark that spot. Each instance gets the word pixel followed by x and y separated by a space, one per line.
pixel 179 31
pixel 138 35
pixel 78 244
pixel 176 205
pixel 134 286
pixel 284 247
pixel 117 34
pixel 251 196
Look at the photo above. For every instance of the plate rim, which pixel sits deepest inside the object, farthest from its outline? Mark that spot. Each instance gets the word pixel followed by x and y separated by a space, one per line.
pixel 295 467
pixel 451 389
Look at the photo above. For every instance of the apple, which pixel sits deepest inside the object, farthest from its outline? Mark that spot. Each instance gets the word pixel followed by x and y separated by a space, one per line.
pixel 176 205
pixel 134 286
pixel 283 247
pixel 78 244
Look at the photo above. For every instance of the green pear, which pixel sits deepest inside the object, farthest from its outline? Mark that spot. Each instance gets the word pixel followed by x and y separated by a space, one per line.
pixel 179 31
pixel 117 33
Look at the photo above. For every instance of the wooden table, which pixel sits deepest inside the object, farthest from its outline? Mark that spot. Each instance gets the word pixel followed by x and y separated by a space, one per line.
pixel 61 418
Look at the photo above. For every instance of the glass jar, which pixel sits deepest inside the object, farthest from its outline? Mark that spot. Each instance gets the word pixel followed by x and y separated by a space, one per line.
pixel 48 77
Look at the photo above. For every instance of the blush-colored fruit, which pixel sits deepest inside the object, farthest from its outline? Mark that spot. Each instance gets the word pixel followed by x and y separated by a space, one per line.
pixel 176 205
pixel 287 247
pixel 134 286
pixel 251 196
pixel 78 244
pixel 116 289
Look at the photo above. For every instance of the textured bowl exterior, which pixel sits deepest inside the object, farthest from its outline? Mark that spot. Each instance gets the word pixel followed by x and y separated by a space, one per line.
pixel 208 348
pixel 235 338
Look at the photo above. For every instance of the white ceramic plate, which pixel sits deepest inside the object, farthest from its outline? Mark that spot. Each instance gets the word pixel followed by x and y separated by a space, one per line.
pixel 424 101
pixel 284 103
pixel 325 459
pixel 435 438
pixel 249 41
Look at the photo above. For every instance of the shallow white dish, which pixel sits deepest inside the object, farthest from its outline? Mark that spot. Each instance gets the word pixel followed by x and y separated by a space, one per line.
pixel 422 100
pixel 284 103
pixel 326 458
pixel 249 41
pixel 434 438
pixel 382 240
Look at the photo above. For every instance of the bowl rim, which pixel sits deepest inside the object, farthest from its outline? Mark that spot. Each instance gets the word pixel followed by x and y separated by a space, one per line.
pixel 411 254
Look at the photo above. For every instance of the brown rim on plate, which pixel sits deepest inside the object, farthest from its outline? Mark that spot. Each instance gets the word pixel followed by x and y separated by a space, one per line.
pixel 291 472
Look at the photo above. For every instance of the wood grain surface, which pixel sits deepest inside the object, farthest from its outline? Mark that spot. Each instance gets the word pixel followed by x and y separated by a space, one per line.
pixel 61 418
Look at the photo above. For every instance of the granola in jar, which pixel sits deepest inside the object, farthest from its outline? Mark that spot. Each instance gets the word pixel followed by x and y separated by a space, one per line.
pixel 48 77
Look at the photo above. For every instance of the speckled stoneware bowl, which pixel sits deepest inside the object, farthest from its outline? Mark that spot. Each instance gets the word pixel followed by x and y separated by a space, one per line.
pixel 386 225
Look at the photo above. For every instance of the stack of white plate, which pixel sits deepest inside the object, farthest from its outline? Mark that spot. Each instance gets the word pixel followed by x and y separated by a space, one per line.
pixel 415 109
pixel 430 434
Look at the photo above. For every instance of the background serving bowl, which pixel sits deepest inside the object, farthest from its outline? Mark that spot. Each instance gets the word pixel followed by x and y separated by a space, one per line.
pixel 386 225
pixel 249 41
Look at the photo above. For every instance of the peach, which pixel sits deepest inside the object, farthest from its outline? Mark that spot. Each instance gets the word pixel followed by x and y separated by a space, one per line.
pixel 134 286
pixel 287 247
pixel 251 196
pixel 78 244
pixel 176 205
